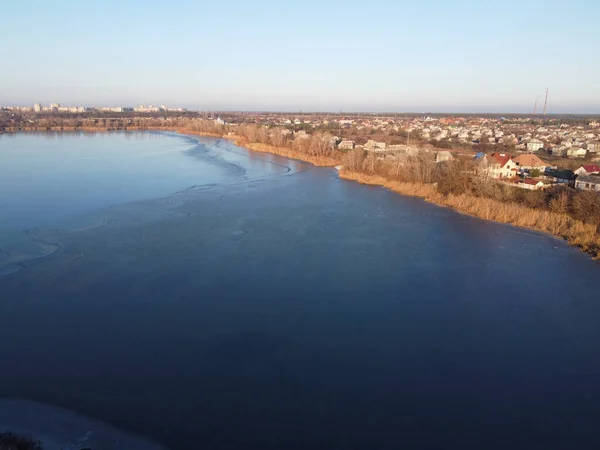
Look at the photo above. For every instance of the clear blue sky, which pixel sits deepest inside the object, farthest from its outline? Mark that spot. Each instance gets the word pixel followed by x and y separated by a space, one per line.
pixel 393 55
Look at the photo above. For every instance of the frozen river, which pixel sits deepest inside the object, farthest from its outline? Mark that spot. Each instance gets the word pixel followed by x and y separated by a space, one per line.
pixel 205 296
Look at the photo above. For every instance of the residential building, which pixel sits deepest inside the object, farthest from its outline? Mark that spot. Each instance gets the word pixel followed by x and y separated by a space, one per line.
pixel 528 161
pixel 593 146
pixel 588 182
pixel 531 184
pixel 576 152
pixel 443 155
pixel 346 145
pixel 588 169
pixel 501 165
pixel 374 145
pixel 534 145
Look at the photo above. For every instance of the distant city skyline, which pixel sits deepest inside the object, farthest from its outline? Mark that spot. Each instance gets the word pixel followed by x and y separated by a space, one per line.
pixel 73 108
pixel 430 56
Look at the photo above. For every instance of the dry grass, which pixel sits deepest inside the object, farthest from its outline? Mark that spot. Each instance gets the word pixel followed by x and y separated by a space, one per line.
pixel 322 161
pixel 198 133
pixel 573 231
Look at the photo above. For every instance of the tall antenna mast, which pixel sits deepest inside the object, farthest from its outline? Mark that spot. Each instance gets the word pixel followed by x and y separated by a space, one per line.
pixel 535 106
pixel 546 102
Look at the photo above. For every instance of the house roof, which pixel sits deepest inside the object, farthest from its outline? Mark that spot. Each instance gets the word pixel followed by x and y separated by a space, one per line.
pixel 589 178
pixel 500 158
pixel 529 160
pixel 531 181
pixel 590 168
pixel 562 174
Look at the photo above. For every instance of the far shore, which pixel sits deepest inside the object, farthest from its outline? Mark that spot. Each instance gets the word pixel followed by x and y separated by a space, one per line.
pixel 576 233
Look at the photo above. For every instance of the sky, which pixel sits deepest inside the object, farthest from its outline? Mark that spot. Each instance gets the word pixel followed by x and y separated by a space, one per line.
pixel 311 55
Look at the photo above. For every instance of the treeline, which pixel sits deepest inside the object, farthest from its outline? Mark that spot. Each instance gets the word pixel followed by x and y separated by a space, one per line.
pixel 459 177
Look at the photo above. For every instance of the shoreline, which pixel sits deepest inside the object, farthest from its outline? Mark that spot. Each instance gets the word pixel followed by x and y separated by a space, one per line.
pixel 240 141
pixel 561 226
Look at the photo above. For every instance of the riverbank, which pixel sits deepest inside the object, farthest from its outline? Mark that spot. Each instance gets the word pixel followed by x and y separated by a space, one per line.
pixel 576 233
pixel 321 161
pixel 241 141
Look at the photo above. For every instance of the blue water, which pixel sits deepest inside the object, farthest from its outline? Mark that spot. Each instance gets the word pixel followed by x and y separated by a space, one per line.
pixel 47 177
pixel 275 306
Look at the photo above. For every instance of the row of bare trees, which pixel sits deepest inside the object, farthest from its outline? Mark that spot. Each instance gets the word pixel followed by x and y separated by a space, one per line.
pixel 315 144
pixel 458 177
pixel 420 168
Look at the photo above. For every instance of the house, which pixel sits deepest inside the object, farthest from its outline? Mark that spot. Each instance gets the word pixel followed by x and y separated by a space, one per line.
pixel 443 155
pixel 576 152
pixel 588 182
pixel 593 146
pixel 534 145
pixel 346 145
pixel 301 134
pixel 587 169
pixel 531 184
pixel 501 165
pixel 528 161
pixel 374 145
pixel 482 164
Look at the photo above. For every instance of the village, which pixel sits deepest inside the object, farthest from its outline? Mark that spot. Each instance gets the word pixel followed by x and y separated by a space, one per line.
pixel 527 152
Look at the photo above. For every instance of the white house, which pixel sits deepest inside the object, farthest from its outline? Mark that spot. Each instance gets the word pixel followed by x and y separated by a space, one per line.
pixel 588 183
pixel 534 145
pixel 374 145
pixel 593 146
pixel 587 169
pixel 443 155
pixel 346 145
pixel 576 152
pixel 501 165
pixel 530 184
